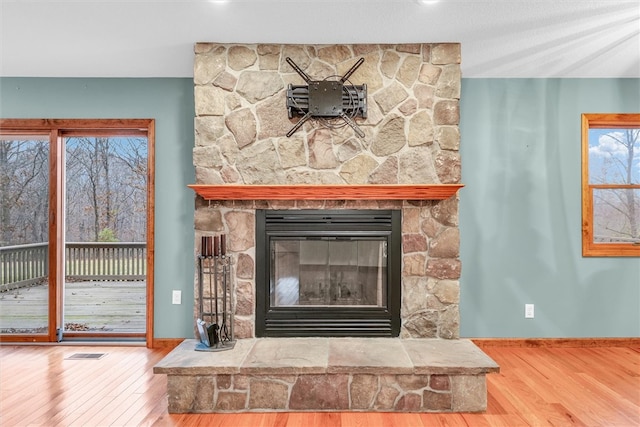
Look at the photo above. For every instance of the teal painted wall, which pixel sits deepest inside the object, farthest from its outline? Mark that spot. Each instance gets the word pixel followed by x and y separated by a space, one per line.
pixel 170 103
pixel 519 210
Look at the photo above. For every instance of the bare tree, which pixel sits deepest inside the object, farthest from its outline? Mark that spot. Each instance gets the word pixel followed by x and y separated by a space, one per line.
pixel 618 208
pixel 24 190
pixel 106 187
pixel 104 183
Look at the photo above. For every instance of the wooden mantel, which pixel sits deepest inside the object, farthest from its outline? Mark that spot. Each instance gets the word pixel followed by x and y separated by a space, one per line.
pixel 327 192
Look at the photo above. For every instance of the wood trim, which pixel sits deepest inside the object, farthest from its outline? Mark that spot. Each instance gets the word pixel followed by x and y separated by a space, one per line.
pixel 22 338
pixel 608 120
pixel 589 247
pixel 556 342
pixel 170 343
pixel 587 204
pixel 70 125
pixel 56 129
pixel 326 192
pixel 56 235
pixel 108 335
pixel 614 186
pixel 151 219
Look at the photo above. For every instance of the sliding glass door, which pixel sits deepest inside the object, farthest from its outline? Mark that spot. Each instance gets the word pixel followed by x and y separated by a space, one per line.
pixel 76 229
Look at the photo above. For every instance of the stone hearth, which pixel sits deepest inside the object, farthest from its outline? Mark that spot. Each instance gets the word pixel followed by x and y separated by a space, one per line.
pixel 329 374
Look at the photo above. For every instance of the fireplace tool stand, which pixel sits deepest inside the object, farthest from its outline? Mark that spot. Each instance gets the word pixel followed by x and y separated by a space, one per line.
pixel 215 304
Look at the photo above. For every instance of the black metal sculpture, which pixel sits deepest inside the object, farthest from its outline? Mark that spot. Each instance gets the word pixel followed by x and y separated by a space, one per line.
pixel 326 100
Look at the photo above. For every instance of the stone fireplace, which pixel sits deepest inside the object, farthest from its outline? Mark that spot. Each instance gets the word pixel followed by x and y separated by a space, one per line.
pixel 251 176
pixel 411 136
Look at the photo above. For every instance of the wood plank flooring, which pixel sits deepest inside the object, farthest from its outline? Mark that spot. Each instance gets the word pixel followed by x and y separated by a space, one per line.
pixel 40 386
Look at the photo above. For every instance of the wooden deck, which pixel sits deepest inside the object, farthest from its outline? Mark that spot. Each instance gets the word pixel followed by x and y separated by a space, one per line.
pixel 90 306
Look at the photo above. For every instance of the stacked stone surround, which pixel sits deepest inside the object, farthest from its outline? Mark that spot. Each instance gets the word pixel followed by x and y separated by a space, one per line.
pixel 411 137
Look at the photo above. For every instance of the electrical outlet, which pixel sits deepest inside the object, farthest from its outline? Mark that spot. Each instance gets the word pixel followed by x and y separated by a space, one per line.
pixel 529 311
pixel 176 297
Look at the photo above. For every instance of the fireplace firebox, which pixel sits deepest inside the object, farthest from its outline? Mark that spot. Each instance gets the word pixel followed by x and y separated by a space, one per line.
pixel 328 273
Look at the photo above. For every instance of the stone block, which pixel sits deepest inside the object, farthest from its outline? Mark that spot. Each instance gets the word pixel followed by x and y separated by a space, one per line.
pixel 268 394
pixel 420 129
pixel 410 402
pixel 258 85
pixel 414 243
pixel 386 398
pixel 429 73
pixel 444 268
pixel 241 230
pixel 223 382
pixel 363 355
pixel 230 401
pixel 363 390
pixel 181 392
pixel 446 113
pixel 416 166
pixel 245 302
pixel 240 57
pixel 321 155
pixel 358 169
pixel 412 382
pixel 440 382
pixel 209 101
pixel 447 291
pixel 448 137
pixel 422 325
pixel 408 71
pixel 436 401
pixel 243 125
pixel 469 393
pixel 320 392
pixel 204 395
pixel 207 220
pixel 448 168
pixel 391 137
pixel 445 53
pixel 414 264
pixel 245 266
pixel 449 82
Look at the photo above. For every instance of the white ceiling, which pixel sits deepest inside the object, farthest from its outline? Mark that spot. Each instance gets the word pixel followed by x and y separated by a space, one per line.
pixel 144 38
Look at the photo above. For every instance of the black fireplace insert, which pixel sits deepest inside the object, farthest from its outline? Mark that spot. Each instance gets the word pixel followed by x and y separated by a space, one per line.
pixel 328 273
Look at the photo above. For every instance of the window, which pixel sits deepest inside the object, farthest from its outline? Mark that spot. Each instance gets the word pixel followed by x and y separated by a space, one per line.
pixel 611 184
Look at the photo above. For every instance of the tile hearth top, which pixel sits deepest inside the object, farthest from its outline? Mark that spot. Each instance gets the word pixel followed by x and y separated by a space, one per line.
pixel 260 356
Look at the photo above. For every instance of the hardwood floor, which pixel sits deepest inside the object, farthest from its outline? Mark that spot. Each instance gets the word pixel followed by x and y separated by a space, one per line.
pixel 40 386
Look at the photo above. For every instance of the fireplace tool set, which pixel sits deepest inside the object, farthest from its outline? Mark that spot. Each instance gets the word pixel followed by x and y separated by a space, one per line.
pixel 215 296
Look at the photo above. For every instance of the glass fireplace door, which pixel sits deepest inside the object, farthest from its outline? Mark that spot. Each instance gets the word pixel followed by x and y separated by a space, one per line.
pixel 329 272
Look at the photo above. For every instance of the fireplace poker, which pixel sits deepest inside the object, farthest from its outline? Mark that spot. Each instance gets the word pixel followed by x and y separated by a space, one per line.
pixel 215 287
pixel 223 330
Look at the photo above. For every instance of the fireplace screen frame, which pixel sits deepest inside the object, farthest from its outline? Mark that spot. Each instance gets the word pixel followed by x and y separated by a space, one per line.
pixel 328 320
